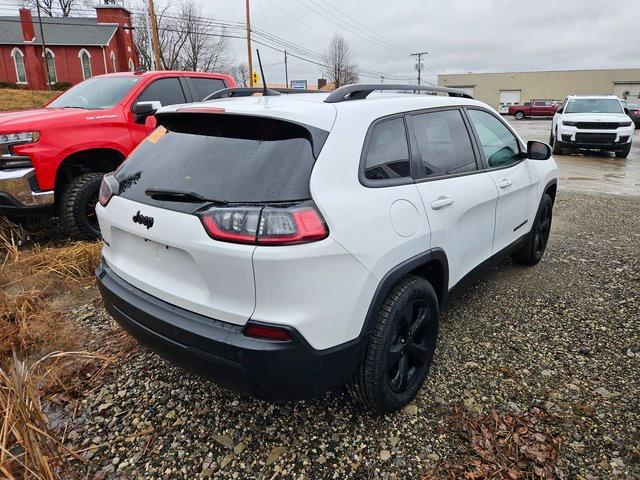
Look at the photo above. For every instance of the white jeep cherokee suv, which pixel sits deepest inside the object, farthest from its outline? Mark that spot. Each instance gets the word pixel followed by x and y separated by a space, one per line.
pixel 593 123
pixel 285 245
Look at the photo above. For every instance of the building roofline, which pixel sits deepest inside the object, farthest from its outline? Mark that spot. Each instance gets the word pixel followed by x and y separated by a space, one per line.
pixel 539 71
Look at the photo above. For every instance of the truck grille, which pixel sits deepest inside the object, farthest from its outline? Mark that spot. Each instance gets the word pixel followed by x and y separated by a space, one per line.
pixel 596 138
pixel 598 125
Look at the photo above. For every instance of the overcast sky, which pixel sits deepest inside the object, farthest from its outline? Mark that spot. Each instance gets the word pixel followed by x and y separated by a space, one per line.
pixel 460 35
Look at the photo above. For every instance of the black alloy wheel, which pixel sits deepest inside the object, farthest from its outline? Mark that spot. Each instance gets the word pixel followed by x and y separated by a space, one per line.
pixel 543 229
pixel 400 347
pixel 411 346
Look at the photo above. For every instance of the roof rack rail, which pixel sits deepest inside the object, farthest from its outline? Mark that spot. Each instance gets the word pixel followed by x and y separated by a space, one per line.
pixel 239 92
pixel 360 91
pixel 248 91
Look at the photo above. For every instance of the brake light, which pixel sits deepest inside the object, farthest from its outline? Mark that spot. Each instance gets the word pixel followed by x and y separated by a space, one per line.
pixel 267 333
pixel 289 224
pixel 232 224
pixel 108 188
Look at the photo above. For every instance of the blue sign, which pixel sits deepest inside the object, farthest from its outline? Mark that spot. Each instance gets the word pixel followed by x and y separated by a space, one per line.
pixel 299 84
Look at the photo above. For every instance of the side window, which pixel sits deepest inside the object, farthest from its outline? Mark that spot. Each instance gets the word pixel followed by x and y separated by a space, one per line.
pixel 387 155
pixel 499 145
pixel 539 104
pixel 206 86
pixel 443 142
pixel 167 91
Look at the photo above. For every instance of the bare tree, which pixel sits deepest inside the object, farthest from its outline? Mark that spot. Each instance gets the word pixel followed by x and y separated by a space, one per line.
pixel 339 66
pixel 241 74
pixel 206 48
pixel 56 8
pixel 187 40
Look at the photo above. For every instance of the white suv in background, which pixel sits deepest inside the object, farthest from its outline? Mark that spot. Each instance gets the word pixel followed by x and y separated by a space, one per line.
pixel 285 245
pixel 592 123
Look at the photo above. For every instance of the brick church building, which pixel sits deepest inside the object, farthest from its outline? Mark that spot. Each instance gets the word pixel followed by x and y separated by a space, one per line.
pixel 76 47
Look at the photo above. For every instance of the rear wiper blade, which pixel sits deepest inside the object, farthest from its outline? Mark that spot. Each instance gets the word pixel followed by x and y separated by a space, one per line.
pixel 180 196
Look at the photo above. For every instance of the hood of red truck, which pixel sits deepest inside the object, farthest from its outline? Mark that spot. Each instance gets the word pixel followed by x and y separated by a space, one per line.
pixel 39 118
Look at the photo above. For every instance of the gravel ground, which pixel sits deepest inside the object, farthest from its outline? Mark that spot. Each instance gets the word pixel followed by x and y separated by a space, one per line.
pixel 563 335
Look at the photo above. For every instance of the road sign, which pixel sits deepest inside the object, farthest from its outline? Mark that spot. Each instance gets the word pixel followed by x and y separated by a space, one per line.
pixel 299 84
pixel 256 78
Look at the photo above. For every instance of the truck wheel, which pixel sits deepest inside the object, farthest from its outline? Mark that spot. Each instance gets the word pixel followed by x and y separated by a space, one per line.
pixel 519 115
pixel 77 208
pixel 624 153
pixel 533 250
pixel 400 349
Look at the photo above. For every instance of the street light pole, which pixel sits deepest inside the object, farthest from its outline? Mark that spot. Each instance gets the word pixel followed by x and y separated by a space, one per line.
pixel 44 47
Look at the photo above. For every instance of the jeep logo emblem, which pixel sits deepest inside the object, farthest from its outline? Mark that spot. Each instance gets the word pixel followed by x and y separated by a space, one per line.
pixel 143 220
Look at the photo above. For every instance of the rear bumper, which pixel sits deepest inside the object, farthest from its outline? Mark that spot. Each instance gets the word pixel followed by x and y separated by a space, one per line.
pixel 19 193
pixel 271 370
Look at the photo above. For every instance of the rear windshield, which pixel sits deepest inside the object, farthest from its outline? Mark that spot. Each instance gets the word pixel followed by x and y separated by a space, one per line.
pixel 229 158
pixel 594 105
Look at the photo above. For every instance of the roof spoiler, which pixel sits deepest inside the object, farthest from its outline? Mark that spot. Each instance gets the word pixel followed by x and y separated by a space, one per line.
pixel 248 91
pixel 360 91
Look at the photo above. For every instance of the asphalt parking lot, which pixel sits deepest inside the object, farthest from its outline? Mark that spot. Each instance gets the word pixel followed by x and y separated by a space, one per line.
pixel 591 171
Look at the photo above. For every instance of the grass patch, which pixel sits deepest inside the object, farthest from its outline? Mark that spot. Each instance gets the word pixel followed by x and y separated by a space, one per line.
pixel 12 99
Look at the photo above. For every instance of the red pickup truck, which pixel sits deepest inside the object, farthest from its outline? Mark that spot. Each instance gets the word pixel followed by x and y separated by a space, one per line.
pixel 534 108
pixel 52 159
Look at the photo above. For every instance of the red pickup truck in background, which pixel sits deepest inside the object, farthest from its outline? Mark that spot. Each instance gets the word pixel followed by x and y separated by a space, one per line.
pixel 535 108
pixel 52 159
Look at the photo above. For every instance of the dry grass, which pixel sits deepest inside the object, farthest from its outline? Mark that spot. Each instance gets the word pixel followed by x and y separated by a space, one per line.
pixel 502 447
pixel 29 447
pixel 31 328
pixel 52 267
pixel 11 236
pixel 13 99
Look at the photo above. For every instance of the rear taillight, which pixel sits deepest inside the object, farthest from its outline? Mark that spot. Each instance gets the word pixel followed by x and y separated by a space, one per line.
pixel 267 333
pixel 108 188
pixel 288 224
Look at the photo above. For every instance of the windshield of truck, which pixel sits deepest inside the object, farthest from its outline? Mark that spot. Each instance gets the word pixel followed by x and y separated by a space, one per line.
pixel 96 93
pixel 594 105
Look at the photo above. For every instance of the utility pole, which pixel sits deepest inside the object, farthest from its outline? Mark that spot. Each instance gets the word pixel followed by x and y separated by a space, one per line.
pixel 419 63
pixel 249 59
pixel 147 26
pixel 44 47
pixel 155 41
pixel 381 78
pixel 286 69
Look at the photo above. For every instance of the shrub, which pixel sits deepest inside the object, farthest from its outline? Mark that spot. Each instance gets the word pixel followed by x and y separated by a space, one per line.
pixel 61 86
pixel 8 85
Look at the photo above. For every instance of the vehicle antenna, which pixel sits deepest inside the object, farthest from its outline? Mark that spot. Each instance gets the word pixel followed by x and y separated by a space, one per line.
pixel 264 80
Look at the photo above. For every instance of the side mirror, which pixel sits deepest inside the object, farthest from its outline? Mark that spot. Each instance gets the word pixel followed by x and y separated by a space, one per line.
pixel 560 110
pixel 538 150
pixel 143 109
pixel 627 111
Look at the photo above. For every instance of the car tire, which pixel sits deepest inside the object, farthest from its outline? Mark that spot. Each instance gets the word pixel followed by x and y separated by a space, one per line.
pixel 555 147
pixel 624 153
pixel 519 115
pixel 76 208
pixel 401 347
pixel 536 243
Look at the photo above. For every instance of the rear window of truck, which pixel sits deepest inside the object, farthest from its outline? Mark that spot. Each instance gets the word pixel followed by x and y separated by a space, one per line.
pixel 229 158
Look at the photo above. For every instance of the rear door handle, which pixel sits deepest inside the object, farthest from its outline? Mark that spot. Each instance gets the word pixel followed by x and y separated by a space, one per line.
pixel 441 202
pixel 505 182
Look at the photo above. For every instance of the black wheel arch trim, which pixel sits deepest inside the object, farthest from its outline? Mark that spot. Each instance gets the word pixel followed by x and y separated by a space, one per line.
pixel 393 276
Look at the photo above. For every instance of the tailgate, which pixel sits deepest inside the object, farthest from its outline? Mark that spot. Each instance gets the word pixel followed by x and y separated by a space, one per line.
pixel 176 261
